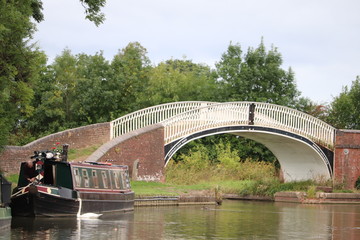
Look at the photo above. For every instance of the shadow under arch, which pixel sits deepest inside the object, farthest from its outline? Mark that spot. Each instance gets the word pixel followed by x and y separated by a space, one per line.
pixel 299 157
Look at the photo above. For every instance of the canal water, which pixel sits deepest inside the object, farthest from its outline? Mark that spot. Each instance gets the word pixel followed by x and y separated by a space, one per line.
pixel 231 220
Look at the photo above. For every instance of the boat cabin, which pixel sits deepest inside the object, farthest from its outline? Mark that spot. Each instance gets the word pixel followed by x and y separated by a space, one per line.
pixel 80 176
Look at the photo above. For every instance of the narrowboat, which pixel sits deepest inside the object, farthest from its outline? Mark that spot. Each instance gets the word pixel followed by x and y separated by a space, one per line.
pixel 51 186
pixel 5 212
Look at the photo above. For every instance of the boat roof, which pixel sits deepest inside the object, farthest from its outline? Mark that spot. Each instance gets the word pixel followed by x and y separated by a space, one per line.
pixel 108 165
pixel 98 164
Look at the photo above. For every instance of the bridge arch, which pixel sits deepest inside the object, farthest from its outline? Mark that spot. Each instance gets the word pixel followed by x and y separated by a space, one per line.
pixel 302 143
pixel 299 157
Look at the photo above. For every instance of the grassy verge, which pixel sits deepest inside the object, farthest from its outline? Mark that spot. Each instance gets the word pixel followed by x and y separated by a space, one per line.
pixel 81 154
pixel 159 189
pixel 240 187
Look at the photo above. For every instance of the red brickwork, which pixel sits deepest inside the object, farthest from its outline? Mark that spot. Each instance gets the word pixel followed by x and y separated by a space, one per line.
pixel 141 150
pixel 82 137
pixel 347 157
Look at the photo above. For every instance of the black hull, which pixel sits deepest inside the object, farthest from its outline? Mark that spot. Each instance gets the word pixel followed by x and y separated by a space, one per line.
pixel 46 205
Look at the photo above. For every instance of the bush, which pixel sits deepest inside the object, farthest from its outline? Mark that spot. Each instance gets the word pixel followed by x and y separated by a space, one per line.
pixel 197 167
pixel 357 183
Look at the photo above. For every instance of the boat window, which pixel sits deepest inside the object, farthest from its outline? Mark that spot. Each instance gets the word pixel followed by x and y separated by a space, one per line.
pixel 85 177
pixel 77 177
pixel 124 180
pixel 95 178
pixel 104 179
pixel 116 179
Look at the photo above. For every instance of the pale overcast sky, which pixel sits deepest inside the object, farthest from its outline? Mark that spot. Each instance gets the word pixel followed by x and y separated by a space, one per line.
pixel 318 39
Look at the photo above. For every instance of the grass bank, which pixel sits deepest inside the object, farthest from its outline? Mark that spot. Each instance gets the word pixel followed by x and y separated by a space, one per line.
pixel 239 187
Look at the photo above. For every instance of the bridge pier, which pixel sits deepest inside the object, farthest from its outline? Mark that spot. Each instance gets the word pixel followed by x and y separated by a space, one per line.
pixel 347 157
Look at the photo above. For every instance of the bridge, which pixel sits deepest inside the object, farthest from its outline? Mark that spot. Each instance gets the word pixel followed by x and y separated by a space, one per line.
pixel 304 145
pixel 145 140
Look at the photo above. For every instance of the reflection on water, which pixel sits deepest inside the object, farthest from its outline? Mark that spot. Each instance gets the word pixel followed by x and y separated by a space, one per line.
pixel 111 227
pixel 232 220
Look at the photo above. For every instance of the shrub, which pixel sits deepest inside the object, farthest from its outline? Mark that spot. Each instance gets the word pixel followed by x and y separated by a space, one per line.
pixel 357 183
pixel 196 167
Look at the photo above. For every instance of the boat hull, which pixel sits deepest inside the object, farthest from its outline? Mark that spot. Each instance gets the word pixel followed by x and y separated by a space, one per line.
pixel 42 202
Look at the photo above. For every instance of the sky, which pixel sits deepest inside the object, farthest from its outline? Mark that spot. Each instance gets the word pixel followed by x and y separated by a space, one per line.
pixel 318 39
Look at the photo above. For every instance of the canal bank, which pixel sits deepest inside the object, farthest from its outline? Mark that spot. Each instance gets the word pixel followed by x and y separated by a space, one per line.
pixel 206 199
pixel 319 198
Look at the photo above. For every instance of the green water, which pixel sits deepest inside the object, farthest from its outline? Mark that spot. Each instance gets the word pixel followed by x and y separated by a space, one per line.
pixel 232 220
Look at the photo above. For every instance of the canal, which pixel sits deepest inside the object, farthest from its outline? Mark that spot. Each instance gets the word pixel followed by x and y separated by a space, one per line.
pixel 231 220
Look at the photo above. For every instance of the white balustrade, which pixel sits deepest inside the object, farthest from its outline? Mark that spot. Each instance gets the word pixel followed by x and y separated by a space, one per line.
pixel 150 116
pixel 184 118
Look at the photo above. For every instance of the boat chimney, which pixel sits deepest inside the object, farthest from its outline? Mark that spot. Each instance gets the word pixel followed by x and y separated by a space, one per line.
pixel 65 152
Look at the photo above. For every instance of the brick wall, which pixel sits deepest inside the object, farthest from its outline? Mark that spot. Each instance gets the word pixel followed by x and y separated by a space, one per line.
pixel 82 137
pixel 142 150
pixel 347 157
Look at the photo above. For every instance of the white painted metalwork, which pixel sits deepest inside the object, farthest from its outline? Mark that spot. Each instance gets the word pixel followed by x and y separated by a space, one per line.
pixel 237 113
pixel 150 116
pixel 185 118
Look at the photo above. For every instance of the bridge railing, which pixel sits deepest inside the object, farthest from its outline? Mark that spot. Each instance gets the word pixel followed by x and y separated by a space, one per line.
pixel 294 121
pixel 150 116
pixel 237 113
pixel 204 118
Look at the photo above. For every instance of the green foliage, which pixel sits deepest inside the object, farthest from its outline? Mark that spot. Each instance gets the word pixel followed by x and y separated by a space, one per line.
pixel 245 148
pixel 197 167
pixel 320 111
pixel 254 76
pixel 257 76
pixel 311 192
pixel 21 64
pixel 229 174
pixel 13 178
pixel 80 89
pixel 179 80
pixel 345 109
pixel 357 183
pixel 128 79
pixel 93 10
pixel 227 158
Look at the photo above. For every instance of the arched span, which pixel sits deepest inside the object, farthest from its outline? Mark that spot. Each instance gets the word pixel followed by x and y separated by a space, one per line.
pixel 293 136
pixel 300 158
pixel 249 114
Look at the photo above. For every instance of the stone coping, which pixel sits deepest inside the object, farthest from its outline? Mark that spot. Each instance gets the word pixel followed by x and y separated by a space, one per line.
pixel 321 197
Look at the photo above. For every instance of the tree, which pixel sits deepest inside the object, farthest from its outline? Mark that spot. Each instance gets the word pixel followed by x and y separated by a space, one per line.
pixel 345 109
pixel 179 80
pixel 257 76
pixel 128 79
pixel 20 65
pixel 317 110
pixel 94 100
pixel 54 95
pixel 92 10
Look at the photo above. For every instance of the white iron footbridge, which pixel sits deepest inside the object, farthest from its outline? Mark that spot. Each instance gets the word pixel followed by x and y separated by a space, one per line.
pixel 302 143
